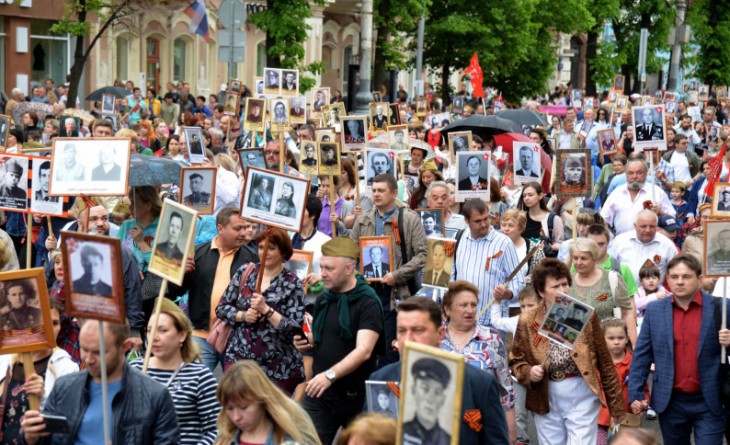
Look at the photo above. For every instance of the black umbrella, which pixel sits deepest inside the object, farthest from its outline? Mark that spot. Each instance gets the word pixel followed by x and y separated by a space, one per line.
pixel 523 117
pixel 118 92
pixel 483 125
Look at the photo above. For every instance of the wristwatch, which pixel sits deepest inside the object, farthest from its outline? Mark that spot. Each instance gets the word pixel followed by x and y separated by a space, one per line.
pixel 330 374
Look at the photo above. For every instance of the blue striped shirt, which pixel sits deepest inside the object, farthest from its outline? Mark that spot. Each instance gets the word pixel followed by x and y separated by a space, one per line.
pixel 471 261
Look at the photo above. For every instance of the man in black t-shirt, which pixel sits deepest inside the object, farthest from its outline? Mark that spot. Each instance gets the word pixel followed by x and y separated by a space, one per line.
pixel 345 341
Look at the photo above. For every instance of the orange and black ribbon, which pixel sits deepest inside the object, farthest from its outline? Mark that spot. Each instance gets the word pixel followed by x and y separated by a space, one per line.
pixel 493 257
pixel 657 259
pixel 602 297
pixel 394 388
pixel 648 204
pixel 473 418
pixel 396 232
pixel 538 338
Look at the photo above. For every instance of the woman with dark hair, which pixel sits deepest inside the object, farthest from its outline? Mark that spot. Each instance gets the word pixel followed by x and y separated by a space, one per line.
pixel 285 204
pixel 541 223
pixel 602 117
pixel 539 136
pixel 173 150
pixel 555 126
pixel 497 207
pixel 564 386
pixel 264 322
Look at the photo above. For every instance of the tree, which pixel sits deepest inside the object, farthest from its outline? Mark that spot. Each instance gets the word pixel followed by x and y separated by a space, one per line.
pixel 710 21
pixel 600 55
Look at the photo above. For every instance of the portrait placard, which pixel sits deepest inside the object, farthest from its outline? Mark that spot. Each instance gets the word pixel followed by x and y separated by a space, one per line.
pixel 395 115
pixel 670 107
pixel 230 103
pixel 381 398
pixel 717 247
pixel 613 97
pixel 107 104
pixel 618 83
pixel 255 112
pixel 566 320
pixel 576 173
pixel 308 156
pixel 472 175
pixel 439 262
pixel 459 141
pixel 14 182
pixel 329 159
pixel 398 138
pixel 376 257
pixel 649 128
pixel 332 115
pixel 40 199
pixel 431 390
pixel 320 99
pixel 173 241
pixel 457 106
pixel 378 161
pixel 622 104
pixel 272 81
pixel 721 201
pixel 4 129
pixel 92 166
pixel 379 117
pixel 376 96
pixel 93 276
pixel 526 158
pixel 300 263
pixel 421 108
pixel 197 188
pixel 251 158
pixel 274 199
pixel 606 142
pixel 290 82
pixel 69 126
pixel 576 97
pixel 704 93
pixel 433 221
pixel 234 86
pixel 588 103
pixel 25 323
pixel 259 82
pixel 279 114
pixel 195 144
pixel 325 134
pixel 720 92
pixel 298 110
pixel 670 97
pixel 353 133
pixel 692 98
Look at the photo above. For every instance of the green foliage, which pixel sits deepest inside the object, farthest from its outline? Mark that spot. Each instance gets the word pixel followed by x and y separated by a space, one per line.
pixel 306 83
pixel 606 63
pixel 710 21
pixel 396 27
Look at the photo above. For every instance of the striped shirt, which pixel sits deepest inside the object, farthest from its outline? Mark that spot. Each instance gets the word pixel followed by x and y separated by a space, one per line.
pixel 193 394
pixel 471 265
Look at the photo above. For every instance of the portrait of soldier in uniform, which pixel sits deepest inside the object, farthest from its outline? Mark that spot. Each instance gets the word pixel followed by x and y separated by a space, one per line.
pixel 169 250
pixel 430 381
pixel 646 128
pixel 10 192
pixel 718 259
pixel 18 314
pixel 198 198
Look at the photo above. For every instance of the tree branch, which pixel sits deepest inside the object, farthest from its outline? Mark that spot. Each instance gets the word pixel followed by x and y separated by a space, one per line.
pixel 107 24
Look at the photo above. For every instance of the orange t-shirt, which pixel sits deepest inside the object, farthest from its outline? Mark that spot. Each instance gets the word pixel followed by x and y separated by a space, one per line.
pixel 622 369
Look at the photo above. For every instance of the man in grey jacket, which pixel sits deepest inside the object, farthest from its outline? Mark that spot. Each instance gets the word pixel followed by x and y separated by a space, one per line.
pixel 384 220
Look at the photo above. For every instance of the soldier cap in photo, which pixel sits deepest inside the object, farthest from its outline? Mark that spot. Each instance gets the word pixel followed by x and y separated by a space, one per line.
pixel 341 246
pixel 12 165
pixel 196 175
pixel 429 368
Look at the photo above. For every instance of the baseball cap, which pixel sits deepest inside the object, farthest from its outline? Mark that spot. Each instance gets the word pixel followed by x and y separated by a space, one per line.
pixel 668 223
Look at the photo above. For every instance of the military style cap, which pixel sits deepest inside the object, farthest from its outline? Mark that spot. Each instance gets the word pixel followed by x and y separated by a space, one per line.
pixel 429 368
pixel 12 165
pixel 341 246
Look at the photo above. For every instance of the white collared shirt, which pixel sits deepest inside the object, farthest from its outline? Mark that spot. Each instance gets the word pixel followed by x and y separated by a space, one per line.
pixel 628 249
pixel 620 211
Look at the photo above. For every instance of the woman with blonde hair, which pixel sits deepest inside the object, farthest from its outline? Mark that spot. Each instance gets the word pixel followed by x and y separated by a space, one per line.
pixel 512 225
pixel 175 363
pixel 369 429
pixel 256 411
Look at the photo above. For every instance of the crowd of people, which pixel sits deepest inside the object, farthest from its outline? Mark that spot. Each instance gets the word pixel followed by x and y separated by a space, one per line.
pixel 302 346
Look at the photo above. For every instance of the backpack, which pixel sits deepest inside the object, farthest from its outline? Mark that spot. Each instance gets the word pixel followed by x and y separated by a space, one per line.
pixel 549 251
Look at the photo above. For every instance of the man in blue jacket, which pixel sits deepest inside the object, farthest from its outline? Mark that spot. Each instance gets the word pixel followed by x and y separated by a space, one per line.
pixel 680 335
pixel 141 409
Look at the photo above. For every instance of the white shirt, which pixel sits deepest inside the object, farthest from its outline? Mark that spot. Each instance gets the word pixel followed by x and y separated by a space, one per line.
pixel 455 223
pixel 564 142
pixel 628 249
pixel 681 167
pixel 620 211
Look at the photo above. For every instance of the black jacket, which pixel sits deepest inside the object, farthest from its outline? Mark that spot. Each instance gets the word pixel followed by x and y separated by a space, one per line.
pixel 199 282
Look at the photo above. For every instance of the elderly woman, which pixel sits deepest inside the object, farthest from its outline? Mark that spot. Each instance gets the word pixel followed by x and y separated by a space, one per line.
pixel 564 386
pixel 263 322
pixel 480 345
pixel 512 225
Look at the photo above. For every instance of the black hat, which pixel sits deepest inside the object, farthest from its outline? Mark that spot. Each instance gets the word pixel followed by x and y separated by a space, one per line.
pixel 429 368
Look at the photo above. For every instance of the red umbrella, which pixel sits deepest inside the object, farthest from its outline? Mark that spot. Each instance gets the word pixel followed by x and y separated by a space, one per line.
pixel 554 110
pixel 506 140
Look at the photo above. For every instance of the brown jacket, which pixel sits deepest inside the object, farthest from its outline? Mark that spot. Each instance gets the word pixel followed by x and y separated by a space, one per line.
pixel 590 354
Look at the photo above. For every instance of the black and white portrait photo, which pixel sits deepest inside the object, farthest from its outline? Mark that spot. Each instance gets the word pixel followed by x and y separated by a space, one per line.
pixel 262 193
pixel 234 86
pixel 648 123
pixel 274 199
pixel 457 106
pixel 230 103
pixel 14 182
pixel 320 99
pixel 329 159
pixel 308 164
pixel 353 133
pixel 272 81
pixel 565 320
pixel 717 248
pixel 172 241
pixel 459 141
pixel 438 262
pixel 279 114
pixel 290 85
pixel 398 138
pixel 21 309
pixel 260 87
pixel 245 140
pixel 472 168
pixel 91 271
pixel 255 112
pixel 333 114
pixel 4 129
pixel 576 174
pixel 376 96
pixel 297 110
pixel 376 257
pixel 107 104
pixel 197 188
pixel 618 83
pixel 378 162
pixel 69 127
pixel 721 200
pixel 381 399
pixel 195 144
pixel 251 158
pixel 526 157
pixel 395 115
pixel 433 221
pixel 301 263
pixel 25 313
pixel 379 116
pixel 285 201
pixel 41 201
pixel 108 168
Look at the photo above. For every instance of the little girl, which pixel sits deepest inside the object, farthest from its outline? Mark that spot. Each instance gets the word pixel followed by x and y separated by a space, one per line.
pixel 681 208
pixel 650 289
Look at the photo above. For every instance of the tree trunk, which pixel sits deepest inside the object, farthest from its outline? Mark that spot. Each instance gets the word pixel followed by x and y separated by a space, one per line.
pixel 445 74
pixel 271 61
pixel 379 61
pixel 591 54
pixel 76 71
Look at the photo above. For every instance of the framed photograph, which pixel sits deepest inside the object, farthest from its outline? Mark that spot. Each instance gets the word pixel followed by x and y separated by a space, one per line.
pixel 576 173
pixel 381 398
pixel 309 154
pixel 421 108
pixel 459 141
pixel 398 138
pixel 721 93
pixel 618 83
pixel 622 104
pixel 93 277
pixel 704 93
pixel 274 199
pixel 576 97
pixel 14 182
pixel 693 85
pixel 279 114
pixel 326 134
pixel 588 103
pixel 290 83
pixel 194 140
pixel 332 115
pixel 251 158
pixel 717 247
pixel 692 97
pixel 565 321
pixel 353 133
pixel 230 103
pixel 173 241
pixel 376 256
pixel 378 161
pixel 301 263
pixel 259 82
pixel 670 107
pixel 395 115
pixel 234 86
pixel 472 175
pixel 298 110
pixel 255 112
pixel 197 188
pixel 649 129
pixel 246 140
pixel 440 262
pixel 606 142
pixel 25 323
pixel 4 129
pixel 431 390
pixel 107 104
pixel 272 81
pixel 69 126
pixel 457 106
pixel 613 96
pixel 376 96
pixel 379 117
pixel 320 99
pixel 526 158
pixel 329 159
pixel 433 221
pixel 670 97
pixel 40 199
pixel 721 200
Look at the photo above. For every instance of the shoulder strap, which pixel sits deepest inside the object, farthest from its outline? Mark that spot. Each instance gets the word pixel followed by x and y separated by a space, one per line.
pixel 613 281
pixel 551 219
pixel 615 264
pixel 459 234
pixel 246 274
pixel 403 252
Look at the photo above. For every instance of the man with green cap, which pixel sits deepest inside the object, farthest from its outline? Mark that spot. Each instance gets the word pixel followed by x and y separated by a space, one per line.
pixel 347 326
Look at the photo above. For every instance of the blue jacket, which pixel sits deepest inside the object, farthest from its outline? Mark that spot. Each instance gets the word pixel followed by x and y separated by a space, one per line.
pixel 656 345
pixel 142 410
pixel 694 197
pixel 479 391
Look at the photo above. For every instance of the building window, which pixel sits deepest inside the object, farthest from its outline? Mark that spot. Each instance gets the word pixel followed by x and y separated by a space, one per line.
pixel 122 59
pixel 260 58
pixel 178 59
pixel 50 53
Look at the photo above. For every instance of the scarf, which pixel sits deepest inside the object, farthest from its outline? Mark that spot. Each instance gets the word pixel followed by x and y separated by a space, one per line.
pixel 298 241
pixel 361 290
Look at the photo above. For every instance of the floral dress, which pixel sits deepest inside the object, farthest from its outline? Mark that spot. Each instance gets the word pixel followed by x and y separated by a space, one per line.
pixel 272 348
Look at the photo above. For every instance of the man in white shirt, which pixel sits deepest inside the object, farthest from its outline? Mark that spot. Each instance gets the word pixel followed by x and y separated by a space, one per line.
pixel 438 196
pixel 685 127
pixel 643 244
pixel 567 138
pixel 626 201
pixel 686 163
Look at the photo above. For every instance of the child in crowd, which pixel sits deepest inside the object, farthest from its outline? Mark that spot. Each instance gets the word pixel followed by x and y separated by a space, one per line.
pixel 650 289
pixel 681 207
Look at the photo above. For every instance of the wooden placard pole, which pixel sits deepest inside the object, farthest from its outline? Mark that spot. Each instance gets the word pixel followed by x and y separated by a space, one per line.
pixel 260 276
pixel 282 152
pixel 333 195
pixel 28 240
pixel 357 179
pixel 29 369
pixel 104 390
pixel 723 352
pixel 50 226
pixel 156 319
pixel 575 219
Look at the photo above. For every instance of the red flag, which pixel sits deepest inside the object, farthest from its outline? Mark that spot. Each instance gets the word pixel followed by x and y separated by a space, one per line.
pixel 508 179
pixel 715 165
pixel 477 78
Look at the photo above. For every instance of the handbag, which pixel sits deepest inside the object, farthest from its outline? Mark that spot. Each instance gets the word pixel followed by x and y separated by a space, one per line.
pixel 221 331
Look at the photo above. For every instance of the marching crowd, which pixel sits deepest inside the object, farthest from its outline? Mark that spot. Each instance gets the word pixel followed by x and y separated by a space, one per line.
pixel 300 349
